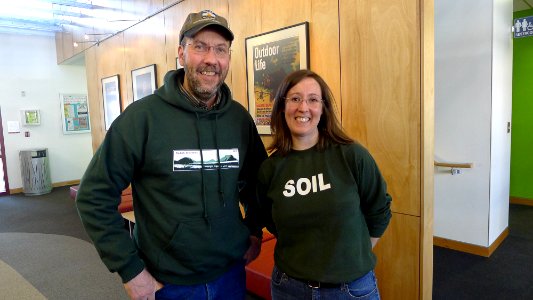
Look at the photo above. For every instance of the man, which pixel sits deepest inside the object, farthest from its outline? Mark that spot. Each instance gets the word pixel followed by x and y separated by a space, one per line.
pixel 191 154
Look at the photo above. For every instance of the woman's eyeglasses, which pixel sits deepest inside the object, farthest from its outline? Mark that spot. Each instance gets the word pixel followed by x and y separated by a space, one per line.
pixel 295 101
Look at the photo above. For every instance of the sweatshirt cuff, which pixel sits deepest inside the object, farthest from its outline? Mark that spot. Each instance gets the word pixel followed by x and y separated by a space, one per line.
pixel 377 226
pixel 132 270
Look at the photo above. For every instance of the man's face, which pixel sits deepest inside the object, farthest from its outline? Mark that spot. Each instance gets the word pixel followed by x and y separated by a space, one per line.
pixel 204 71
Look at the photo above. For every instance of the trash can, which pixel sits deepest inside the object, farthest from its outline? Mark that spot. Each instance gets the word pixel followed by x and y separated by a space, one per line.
pixel 35 170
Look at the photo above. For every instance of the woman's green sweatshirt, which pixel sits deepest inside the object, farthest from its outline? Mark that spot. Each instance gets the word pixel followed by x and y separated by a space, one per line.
pixel 188 170
pixel 324 206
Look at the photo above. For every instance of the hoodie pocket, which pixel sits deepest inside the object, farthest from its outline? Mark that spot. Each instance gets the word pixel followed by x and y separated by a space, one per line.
pixel 201 247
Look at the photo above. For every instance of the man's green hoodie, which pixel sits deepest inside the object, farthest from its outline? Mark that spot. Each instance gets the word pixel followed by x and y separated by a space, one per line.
pixel 188 229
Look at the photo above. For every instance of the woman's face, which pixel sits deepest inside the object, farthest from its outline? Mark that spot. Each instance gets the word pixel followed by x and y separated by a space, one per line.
pixel 303 108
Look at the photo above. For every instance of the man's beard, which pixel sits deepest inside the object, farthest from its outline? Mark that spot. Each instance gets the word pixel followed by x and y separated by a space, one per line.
pixel 203 94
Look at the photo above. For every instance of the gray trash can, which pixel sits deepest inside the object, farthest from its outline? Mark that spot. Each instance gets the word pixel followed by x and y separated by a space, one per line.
pixel 35 170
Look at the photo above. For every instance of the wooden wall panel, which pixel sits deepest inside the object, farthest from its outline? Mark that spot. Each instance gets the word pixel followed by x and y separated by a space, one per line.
pixel 60 57
pixel 67 47
pixel 276 14
pixel 174 18
pixel 428 141
pixel 398 259
pixel 140 9
pixel 65 43
pixel 245 20
pixel 324 40
pixel 149 34
pixel 96 111
pixel 380 54
pixel 78 36
pixel 110 61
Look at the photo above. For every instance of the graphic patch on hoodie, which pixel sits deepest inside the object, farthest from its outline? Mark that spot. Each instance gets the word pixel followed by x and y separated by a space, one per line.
pixel 191 160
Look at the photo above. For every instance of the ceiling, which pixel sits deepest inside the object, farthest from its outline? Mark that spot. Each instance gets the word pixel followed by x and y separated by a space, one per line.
pixel 45 17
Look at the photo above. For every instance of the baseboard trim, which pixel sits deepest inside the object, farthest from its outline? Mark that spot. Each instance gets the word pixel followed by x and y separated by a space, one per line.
pixel 521 201
pixel 15 191
pixel 56 184
pixel 469 248
pixel 65 183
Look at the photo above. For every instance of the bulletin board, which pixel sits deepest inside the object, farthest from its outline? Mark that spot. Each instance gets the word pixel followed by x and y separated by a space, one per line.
pixel 75 113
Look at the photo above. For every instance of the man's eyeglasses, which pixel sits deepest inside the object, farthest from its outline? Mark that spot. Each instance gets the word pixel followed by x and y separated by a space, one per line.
pixel 296 101
pixel 221 51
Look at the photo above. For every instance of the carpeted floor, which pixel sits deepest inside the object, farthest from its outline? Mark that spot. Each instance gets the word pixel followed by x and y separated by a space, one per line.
pixel 58 266
pixel 50 213
pixel 507 274
pixel 46 254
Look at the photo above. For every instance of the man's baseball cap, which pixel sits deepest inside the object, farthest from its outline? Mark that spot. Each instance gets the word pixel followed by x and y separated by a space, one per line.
pixel 198 21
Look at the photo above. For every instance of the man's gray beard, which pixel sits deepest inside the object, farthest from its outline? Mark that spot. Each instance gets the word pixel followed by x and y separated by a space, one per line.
pixel 204 95
pixel 201 94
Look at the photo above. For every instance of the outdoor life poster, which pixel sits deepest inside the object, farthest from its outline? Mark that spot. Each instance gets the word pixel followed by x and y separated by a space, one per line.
pixel 271 57
pixel 75 113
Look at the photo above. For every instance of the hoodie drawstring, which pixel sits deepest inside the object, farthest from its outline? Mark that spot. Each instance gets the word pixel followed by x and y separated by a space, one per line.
pixel 204 200
pixel 220 179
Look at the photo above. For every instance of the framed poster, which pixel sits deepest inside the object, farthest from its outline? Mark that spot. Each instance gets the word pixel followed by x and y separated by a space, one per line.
pixel 75 113
pixel 111 96
pixel 31 117
pixel 269 58
pixel 143 82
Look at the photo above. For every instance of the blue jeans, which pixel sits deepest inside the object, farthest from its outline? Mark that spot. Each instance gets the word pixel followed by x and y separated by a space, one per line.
pixel 287 288
pixel 231 285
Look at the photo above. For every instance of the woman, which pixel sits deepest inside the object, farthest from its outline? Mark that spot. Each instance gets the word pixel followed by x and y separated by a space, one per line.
pixel 323 196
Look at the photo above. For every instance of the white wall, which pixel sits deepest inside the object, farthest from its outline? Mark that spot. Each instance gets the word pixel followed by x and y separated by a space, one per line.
pixel 28 63
pixel 502 94
pixel 470 207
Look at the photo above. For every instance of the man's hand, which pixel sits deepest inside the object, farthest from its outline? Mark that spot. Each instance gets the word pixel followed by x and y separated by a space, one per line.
pixel 254 249
pixel 142 286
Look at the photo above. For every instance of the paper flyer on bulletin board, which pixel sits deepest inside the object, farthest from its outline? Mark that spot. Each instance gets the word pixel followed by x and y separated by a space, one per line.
pixel 75 113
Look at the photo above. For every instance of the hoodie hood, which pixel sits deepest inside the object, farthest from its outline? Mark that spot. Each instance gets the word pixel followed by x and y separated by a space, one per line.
pixel 171 88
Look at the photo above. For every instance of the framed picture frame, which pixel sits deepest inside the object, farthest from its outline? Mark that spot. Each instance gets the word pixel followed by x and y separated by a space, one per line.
pixel 270 57
pixel 30 117
pixel 111 97
pixel 75 113
pixel 143 81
